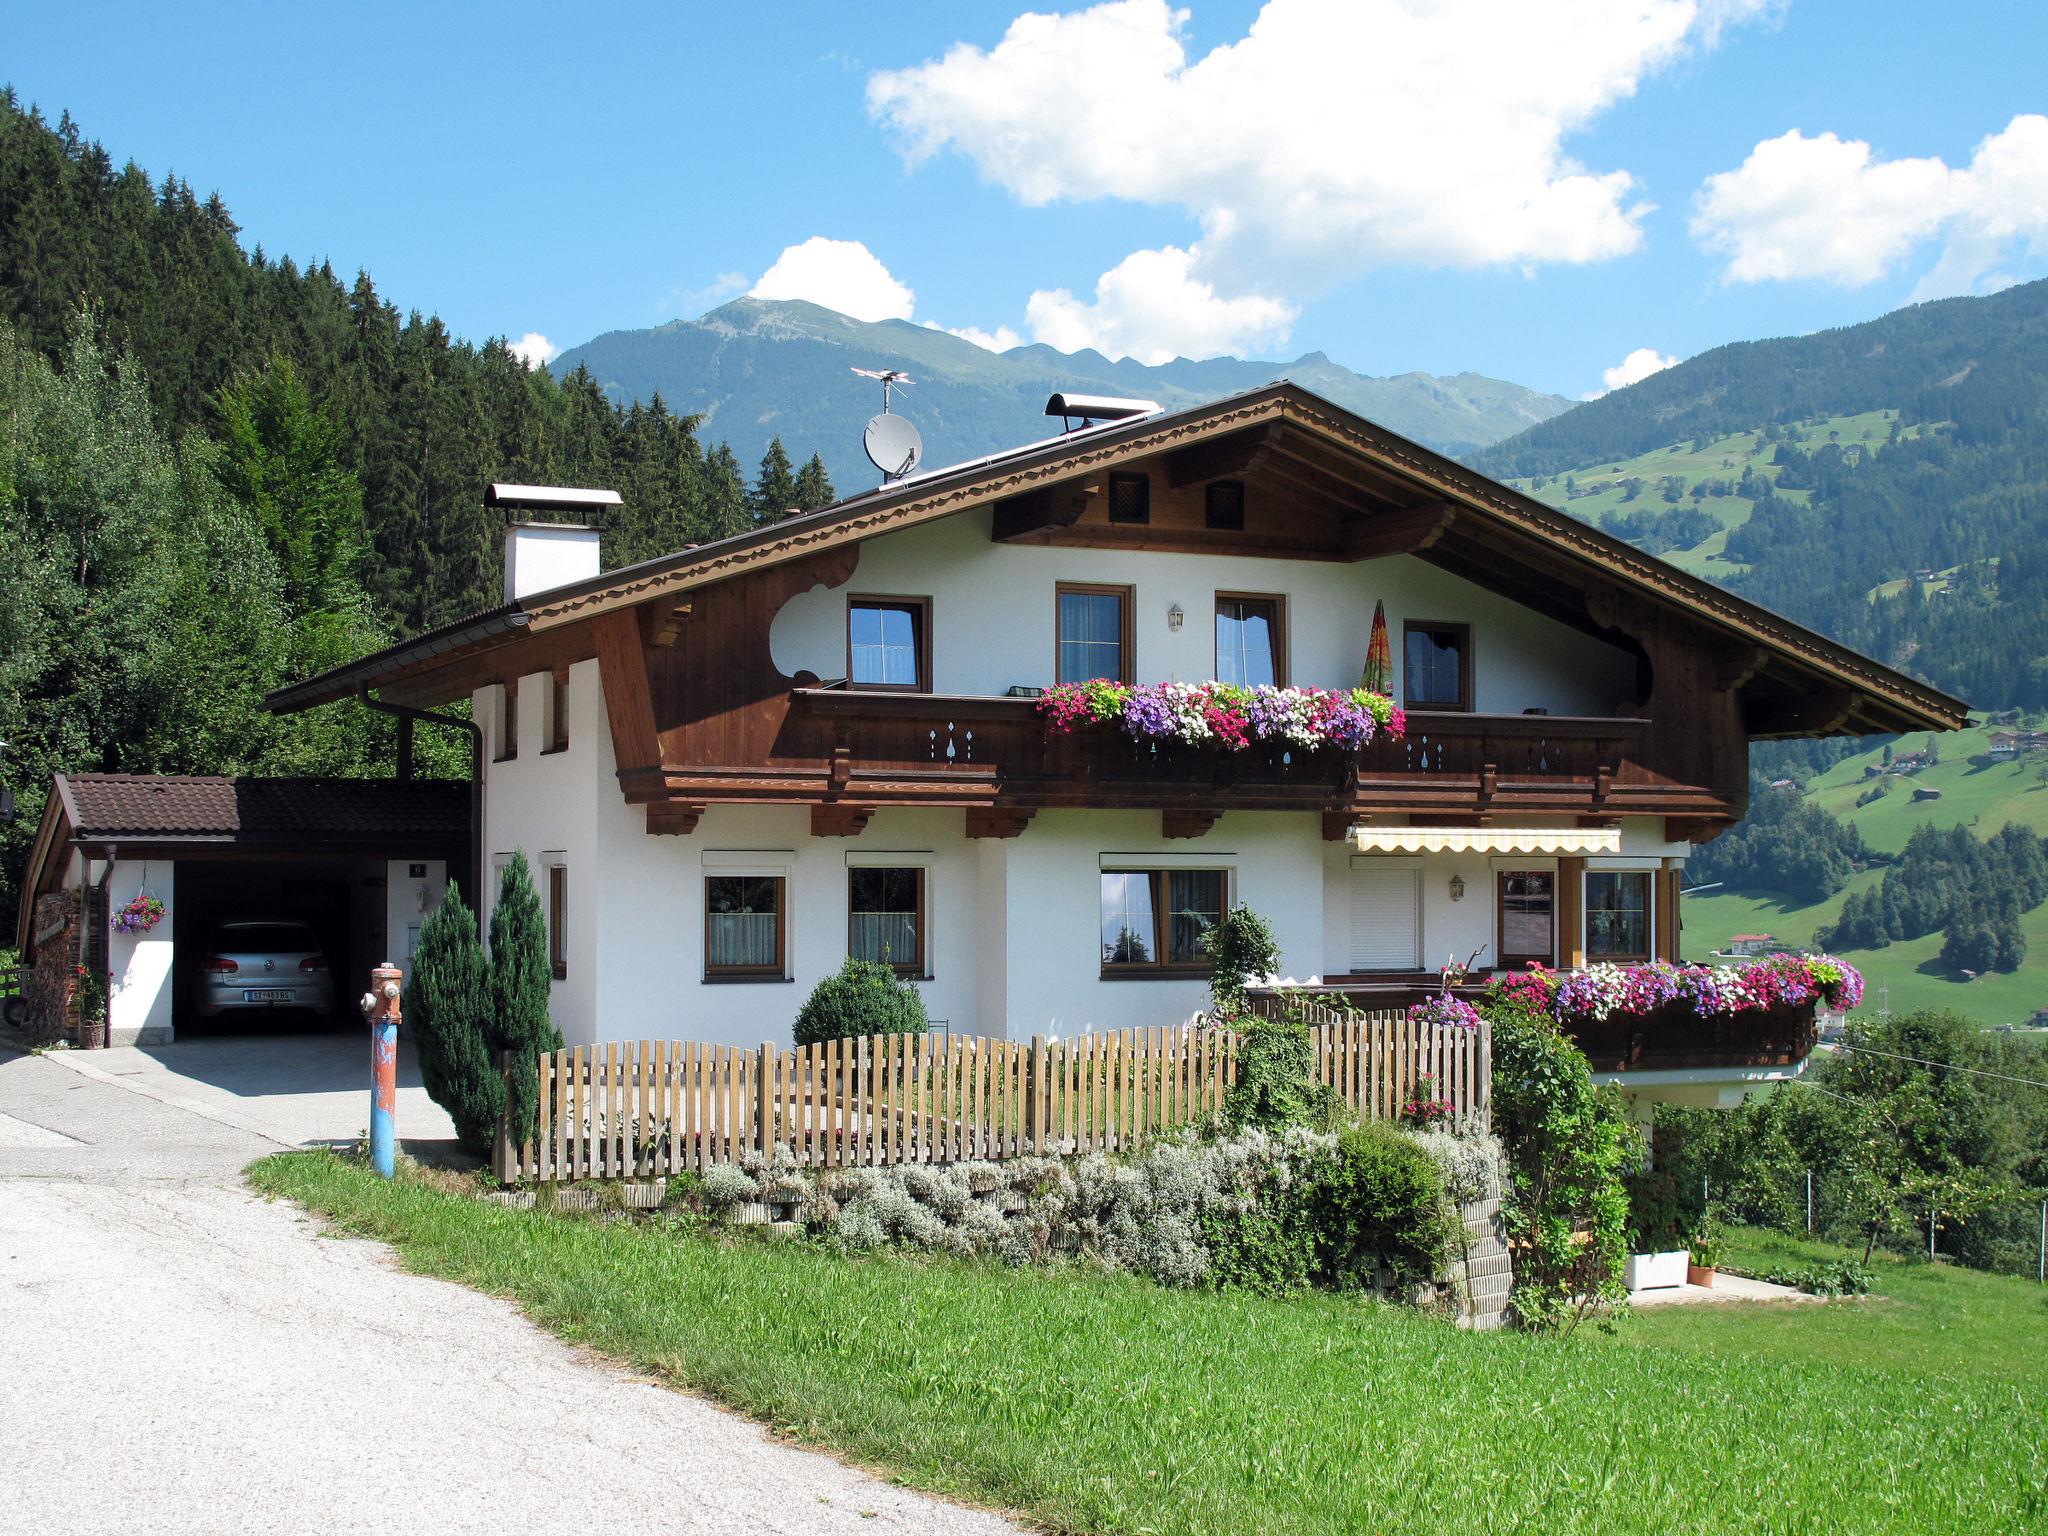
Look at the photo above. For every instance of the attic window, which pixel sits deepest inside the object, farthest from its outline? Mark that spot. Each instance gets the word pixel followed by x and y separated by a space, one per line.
pixel 1223 506
pixel 1130 499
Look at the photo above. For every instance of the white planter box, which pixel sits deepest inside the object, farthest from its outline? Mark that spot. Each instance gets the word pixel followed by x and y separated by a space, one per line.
pixel 1657 1271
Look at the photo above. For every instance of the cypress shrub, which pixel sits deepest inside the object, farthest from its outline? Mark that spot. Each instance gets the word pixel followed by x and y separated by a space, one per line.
pixel 448 1011
pixel 519 991
pixel 863 998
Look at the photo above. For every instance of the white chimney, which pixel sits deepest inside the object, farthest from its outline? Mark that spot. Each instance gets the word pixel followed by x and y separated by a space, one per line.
pixel 541 556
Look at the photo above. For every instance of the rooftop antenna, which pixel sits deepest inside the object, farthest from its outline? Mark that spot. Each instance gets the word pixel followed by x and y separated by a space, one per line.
pixel 892 442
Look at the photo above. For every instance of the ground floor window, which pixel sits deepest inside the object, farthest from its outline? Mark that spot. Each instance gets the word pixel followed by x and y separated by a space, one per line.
pixel 1618 914
pixel 744 926
pixel 1386 916
pixel 1158 921
pixel 886 918
pixel 1528 917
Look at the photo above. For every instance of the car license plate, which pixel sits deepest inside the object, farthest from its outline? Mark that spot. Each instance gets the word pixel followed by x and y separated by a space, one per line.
pixel 270 995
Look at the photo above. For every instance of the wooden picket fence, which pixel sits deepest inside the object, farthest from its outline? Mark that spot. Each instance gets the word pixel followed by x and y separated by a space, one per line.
pixel 648 1108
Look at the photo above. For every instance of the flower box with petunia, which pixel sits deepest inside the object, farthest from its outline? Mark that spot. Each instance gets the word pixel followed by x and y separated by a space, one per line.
pixel 1224 715
pixel 1603 992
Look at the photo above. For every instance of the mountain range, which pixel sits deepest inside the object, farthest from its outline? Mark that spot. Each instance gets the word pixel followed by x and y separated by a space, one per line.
pixel 757 369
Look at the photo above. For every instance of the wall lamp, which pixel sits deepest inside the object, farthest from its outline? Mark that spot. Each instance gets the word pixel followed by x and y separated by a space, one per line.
pixel 1174 618
pixel 1457 887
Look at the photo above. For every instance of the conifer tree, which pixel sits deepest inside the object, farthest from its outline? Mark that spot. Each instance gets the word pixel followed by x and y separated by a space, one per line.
pixel 814 486
pixel 448 1010
pixel 775 492
pixel 725 496
pixel 519 990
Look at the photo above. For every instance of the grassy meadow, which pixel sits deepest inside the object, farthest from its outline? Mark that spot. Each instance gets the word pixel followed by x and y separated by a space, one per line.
pixel 1098 1403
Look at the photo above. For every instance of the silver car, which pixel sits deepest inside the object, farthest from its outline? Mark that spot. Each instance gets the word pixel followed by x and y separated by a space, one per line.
pixel 263 965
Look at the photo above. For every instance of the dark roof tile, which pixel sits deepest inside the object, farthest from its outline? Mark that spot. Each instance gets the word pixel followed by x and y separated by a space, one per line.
pixel 218 809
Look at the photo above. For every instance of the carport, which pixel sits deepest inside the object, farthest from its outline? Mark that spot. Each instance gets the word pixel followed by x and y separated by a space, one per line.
pixel 360 861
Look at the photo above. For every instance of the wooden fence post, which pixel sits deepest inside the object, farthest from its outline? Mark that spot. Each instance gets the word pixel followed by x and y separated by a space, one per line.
pixel 1034 1094
pixel 503 1163
pixel 764 1102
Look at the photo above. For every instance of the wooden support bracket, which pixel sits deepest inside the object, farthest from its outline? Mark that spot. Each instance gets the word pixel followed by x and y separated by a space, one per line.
pixel 671 818
pixel 1187 823
pixel 997 821
pixel 840 818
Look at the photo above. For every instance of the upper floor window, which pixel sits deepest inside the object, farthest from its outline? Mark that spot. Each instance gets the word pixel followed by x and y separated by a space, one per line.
pixel 1094 633
pixel 558 711
pixel 1223 506
pixel 1158 921
pixel 1249 642
pixel 1130 499
pixel 886 918
pixel 888 643
pixel 1437 673
pixel 1618 914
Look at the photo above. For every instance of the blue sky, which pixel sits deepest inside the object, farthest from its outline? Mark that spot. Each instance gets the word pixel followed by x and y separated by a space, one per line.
pixel 1524 189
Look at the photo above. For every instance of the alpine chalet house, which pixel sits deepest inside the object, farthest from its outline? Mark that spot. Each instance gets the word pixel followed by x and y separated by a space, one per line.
pixel 844 733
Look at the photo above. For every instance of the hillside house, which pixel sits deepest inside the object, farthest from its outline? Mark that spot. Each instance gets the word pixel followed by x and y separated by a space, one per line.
pixel 733 765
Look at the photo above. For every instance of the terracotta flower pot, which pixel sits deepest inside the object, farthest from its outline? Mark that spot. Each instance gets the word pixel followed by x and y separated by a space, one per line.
pixel 1697 1275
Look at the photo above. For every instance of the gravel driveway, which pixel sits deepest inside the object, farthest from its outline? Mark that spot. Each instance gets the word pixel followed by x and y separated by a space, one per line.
pixel 182 1355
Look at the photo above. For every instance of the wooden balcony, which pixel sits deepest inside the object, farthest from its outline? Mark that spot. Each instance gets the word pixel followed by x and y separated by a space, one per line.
pixel 1674 1039
pixel 981 750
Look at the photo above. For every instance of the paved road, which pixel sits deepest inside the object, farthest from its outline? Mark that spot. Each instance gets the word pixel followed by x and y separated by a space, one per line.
pixel 182 1356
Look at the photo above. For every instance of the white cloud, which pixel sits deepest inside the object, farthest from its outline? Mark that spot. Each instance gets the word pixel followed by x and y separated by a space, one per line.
pixel 1334 136
pixel 1001 339
pixel 534 349
pixel 839 274
pixel 1152 307
pixel 1831 209
pixel 1635 368
pixel 698 301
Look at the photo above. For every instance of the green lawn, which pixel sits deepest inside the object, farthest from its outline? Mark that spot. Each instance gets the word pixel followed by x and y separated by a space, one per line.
pixel 1928 1320
pixel 1101 1404
pixel 1984 796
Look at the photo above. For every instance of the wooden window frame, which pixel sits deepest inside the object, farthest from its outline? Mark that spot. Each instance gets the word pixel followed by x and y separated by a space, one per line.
pixel 558 921
pixel 1278 602
pixel 1464 632
pixel 1160 969
pixel 776 971
pixel 1209 506
pixel 1502 960
pixel 508 722
pixel 1129 477
pixel 1128 640
pixel 921 609
pixel 1648 877
pixel 915 968
pixel 558 712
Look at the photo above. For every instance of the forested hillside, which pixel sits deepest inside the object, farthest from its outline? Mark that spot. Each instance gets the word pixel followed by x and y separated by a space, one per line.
pixel 221 472
pixel 1924 542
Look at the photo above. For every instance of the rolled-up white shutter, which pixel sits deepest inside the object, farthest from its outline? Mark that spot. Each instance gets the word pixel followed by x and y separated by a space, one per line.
pixel 1385 919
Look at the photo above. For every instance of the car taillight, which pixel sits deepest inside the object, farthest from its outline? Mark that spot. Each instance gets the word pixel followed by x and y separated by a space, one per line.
pixel 220 964
pixel 312 963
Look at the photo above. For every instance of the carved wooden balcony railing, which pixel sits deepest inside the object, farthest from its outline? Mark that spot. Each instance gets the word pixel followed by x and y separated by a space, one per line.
pixel 1670 1039
pixel 976 750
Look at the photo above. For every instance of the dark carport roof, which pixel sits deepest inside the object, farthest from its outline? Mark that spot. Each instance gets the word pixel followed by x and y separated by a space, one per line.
pixel 206 808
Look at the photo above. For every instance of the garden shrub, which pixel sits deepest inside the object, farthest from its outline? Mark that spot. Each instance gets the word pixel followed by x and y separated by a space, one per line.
pixel 862 998
pixel 520 983
pixel 1474 1167
pixel 448 1013
pixel 1242 951
pixel 1276 1085
pixel 1378 1200
pixel 1569 1145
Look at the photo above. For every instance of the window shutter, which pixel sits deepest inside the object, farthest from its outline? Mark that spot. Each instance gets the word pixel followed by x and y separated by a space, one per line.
pixel 1385 919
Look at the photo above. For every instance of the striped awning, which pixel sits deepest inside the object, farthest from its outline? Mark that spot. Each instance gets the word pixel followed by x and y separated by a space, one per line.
pixel 1487 839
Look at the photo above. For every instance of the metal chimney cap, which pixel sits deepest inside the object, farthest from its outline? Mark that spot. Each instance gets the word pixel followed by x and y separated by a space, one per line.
pixel 503 494
pixel 1098 407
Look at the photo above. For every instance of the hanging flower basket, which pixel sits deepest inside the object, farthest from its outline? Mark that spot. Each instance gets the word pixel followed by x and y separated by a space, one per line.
pixel 141 914
pixel 1223 715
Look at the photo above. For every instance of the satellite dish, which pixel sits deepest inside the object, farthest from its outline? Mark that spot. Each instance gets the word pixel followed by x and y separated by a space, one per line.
pixel 893 445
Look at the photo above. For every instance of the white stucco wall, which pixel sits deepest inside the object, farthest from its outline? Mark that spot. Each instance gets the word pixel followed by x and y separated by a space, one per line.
pixel 409 900
pixel 981 589
pixel 140 974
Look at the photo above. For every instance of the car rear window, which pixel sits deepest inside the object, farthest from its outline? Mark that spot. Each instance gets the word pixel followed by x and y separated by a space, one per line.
pixel 265 938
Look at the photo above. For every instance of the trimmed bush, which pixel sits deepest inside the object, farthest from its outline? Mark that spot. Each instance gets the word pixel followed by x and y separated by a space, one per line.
pixel 520 982
pixel 448 1014
pixel 1276 1084
pixel 1378 1200
pixel 863 998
